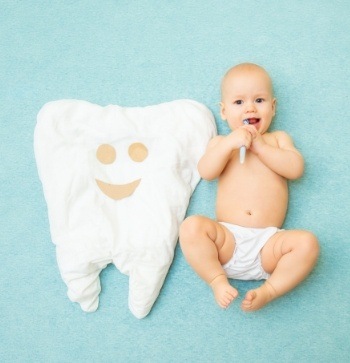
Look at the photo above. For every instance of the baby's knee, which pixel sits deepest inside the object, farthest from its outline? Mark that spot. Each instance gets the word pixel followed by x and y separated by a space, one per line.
pixel 190 228
pixel 309 245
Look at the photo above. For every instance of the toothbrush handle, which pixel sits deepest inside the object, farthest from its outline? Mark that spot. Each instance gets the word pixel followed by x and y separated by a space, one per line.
pixel 242 151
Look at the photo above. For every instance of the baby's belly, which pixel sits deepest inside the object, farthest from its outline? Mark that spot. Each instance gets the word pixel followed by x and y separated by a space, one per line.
pixel 260 213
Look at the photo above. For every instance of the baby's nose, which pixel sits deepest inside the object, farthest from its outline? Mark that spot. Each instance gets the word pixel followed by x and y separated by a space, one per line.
pixel 250 107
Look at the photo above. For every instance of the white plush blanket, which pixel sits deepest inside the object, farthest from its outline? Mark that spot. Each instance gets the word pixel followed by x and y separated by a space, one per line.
pixel 117 182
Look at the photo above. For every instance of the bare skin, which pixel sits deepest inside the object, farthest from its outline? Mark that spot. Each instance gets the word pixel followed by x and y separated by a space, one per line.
pixel 253 194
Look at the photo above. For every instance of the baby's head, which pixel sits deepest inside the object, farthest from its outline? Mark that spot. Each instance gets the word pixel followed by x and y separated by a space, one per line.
pixel 247 93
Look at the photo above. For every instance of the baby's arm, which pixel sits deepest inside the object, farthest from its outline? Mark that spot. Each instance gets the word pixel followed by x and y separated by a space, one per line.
pixel 219 152
pixel 284 159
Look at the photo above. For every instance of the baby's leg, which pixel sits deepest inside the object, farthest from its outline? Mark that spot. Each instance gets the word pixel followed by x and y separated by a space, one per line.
pixel 289 256
pixel 207 245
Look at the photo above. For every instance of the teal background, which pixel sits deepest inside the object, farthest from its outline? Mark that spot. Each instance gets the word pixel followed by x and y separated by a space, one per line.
pixel 137 53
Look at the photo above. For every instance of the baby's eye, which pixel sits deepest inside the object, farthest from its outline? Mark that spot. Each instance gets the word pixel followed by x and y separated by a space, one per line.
pixel 259 100
pixel 238 102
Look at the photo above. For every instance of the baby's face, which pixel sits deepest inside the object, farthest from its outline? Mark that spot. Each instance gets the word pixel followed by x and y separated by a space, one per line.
pixel 247 94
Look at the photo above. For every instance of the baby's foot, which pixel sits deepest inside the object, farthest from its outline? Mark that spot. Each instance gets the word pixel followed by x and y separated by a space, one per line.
pixel 224 293
pixel 258 298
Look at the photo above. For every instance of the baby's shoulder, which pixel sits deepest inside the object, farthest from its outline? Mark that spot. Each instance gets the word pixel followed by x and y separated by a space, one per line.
pixel 279 137
pixel 279 133
pixel 215 140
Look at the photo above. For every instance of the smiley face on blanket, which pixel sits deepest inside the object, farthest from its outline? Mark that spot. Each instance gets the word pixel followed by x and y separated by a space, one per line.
pixel 117 182
pixel 106 154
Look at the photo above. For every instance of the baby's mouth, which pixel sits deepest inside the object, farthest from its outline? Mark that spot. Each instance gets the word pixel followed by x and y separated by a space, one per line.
pixel 253 121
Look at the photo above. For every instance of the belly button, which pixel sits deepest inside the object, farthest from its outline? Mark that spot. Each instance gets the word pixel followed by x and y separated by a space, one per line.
pixel 249 212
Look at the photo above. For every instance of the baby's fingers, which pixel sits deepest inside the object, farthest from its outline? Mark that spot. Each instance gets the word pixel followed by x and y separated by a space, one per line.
pixel 252 130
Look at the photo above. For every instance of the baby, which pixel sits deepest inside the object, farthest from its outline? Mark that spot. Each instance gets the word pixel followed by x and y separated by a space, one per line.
pixel 246 241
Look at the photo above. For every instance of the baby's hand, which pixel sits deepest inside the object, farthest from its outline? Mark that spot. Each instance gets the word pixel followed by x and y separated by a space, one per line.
pixel 257 139
pixel 241 137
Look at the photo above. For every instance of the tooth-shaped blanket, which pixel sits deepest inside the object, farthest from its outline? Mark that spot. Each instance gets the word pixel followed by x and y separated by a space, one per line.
pixel 117 182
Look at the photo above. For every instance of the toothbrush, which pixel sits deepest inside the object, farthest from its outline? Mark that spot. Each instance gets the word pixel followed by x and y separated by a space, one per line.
pixel 243 149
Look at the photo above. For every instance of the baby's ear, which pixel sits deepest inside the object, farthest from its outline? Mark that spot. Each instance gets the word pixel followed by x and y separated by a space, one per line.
pixel 222 111
pixel 274 103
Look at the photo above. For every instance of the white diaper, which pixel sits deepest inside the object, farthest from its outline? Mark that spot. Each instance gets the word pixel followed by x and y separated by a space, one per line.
pixel 245 263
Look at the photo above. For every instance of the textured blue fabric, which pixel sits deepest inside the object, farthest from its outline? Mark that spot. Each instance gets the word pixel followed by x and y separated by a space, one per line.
pixel 137 53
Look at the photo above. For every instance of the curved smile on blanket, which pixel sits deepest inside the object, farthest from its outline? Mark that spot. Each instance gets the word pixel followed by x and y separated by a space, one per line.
pixel 118 191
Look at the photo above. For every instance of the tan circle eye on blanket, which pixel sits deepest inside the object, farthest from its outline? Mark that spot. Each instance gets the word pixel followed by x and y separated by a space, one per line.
pixel 106 154
pixel 138 152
